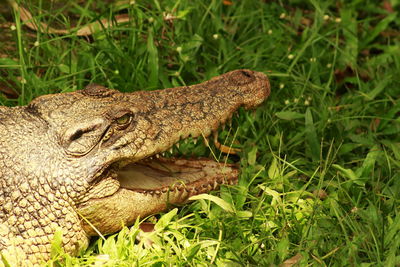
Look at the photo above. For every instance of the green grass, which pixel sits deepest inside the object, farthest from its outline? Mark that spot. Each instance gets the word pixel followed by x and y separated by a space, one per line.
pixel 320 159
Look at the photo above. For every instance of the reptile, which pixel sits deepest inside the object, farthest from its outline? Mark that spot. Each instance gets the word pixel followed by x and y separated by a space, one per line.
pixel 88 162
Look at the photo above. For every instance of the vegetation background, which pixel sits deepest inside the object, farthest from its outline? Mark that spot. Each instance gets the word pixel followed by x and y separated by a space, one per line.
pixel 320 160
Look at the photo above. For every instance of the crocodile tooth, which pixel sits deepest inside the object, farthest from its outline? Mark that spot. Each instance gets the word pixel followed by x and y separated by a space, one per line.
pixel 165 189
pixel 180 187
pixel 170 150
pixel 184 194
pixel 177 145
pixel 157 155
pixel 215 185
pixel 163 154
pixel 195 140
pixel 211 183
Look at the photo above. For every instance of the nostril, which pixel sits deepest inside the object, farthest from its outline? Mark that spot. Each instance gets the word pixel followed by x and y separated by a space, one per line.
pixel 242 77
pixel 246 73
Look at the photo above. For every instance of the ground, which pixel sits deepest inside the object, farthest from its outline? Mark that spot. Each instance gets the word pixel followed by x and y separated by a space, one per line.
pixel 320 160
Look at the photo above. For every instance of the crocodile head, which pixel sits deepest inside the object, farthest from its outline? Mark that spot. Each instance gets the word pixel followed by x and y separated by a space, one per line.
pixel 88 161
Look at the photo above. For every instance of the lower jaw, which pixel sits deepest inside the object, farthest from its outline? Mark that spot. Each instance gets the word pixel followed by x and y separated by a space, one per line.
pixel 152 186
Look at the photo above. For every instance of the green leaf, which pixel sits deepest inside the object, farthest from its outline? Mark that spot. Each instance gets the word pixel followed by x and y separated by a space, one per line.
pixel 350 174
pixel 369 162
pixel 395 147
pixel 390 115
pixel 8 62
pixel 392 231
pixel 311 136
pixel 190 48
pixel 182 14
pixel 4 260
pixel 276 197
pixel 283 248
pixel 346 172
pixel 289 115
pixel 392 129
pixel 64 68
pixel 244 214
pixel 194 43
pixel 361 139
pixel 219 201
pixel 346 148
pixel 192 251
pixel 56 244
pixel 110 247
pixel 273 170
pixel 380 27
pixel 379 87
pixel 165 219
pixel 252 156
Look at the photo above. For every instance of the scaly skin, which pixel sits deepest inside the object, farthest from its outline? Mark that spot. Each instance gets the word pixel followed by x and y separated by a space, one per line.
pixel 61 158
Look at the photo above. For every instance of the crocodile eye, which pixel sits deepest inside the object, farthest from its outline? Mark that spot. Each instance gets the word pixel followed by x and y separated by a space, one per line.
pixel 124 120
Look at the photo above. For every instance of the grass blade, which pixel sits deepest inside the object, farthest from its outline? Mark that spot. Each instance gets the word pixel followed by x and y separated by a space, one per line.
pixel 311 136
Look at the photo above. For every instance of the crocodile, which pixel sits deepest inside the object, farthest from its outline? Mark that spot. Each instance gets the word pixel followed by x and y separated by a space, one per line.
pixel 88 162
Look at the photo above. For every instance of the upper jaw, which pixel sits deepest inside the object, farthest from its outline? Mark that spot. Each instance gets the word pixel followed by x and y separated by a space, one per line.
pixel 175 114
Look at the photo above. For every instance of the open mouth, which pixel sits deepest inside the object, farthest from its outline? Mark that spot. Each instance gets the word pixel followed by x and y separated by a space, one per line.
pixel 147 187
pixel 163 175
